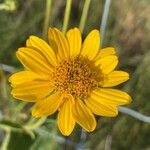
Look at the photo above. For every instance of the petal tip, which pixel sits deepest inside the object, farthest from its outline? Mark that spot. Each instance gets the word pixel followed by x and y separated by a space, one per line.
pixel 129 99
pixel 65 133
pixel 91 128
pixel 35 114
pixel 10 79
pixel 95 30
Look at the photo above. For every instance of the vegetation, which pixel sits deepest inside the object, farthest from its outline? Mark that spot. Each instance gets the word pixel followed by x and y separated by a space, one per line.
pixel 128 30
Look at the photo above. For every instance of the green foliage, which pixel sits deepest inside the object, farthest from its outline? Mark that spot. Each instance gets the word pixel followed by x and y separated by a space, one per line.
pixel 128 30
pixel 20 141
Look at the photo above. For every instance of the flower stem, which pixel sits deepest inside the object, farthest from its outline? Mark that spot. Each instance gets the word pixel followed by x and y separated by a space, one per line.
pixel 104 20
pixel 35 124
pixel 6 141
pixel 47 18
pixel 134 114
pixel 67 15
pixel 84 15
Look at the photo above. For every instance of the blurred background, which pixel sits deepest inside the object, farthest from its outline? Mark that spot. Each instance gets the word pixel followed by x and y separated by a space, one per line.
pixel 128 30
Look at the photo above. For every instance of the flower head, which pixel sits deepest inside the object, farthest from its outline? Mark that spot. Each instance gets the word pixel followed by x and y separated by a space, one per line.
pixel 72 78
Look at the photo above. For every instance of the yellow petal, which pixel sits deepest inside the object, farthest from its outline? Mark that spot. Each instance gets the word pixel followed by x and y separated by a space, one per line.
pixel 59 43
pixel 42 47
pixel 47 106
pixel 65 120
pixel 105 52
pixel 111 96
pixel 26 76
pixel 32 91
pixel 84 116
pixel 107 64
pixel 34 61
pixel 98 108
pixel 91 44
pixel 74 39
pixel 114 78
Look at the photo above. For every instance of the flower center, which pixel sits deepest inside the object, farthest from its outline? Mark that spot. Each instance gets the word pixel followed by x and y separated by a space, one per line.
pixel 77 77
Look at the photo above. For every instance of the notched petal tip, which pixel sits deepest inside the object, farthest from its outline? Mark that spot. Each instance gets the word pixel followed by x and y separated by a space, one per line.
pixel 50 28
pixel 28 41
pixel 36 114
pixel 19 50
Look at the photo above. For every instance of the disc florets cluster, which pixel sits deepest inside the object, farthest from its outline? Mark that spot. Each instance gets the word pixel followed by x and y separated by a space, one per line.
pixel 76 77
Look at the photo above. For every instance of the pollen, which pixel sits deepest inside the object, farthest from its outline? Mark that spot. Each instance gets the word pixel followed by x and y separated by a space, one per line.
pixel 76 77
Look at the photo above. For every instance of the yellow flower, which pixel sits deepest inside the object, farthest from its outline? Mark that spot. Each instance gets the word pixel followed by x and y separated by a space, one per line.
pixel 72 78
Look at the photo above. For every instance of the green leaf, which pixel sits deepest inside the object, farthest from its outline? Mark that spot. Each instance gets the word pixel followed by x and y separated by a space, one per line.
pixel 20 141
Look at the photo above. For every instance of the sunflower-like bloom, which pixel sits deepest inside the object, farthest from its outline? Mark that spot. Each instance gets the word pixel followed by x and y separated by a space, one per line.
pixel 70 77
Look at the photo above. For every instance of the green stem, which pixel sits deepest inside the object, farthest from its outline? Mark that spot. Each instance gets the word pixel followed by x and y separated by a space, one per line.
pixel 47 18
pixel 6 141
pixel 66 16
pixel 36 124
pixel 8 128
pixel 84 15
